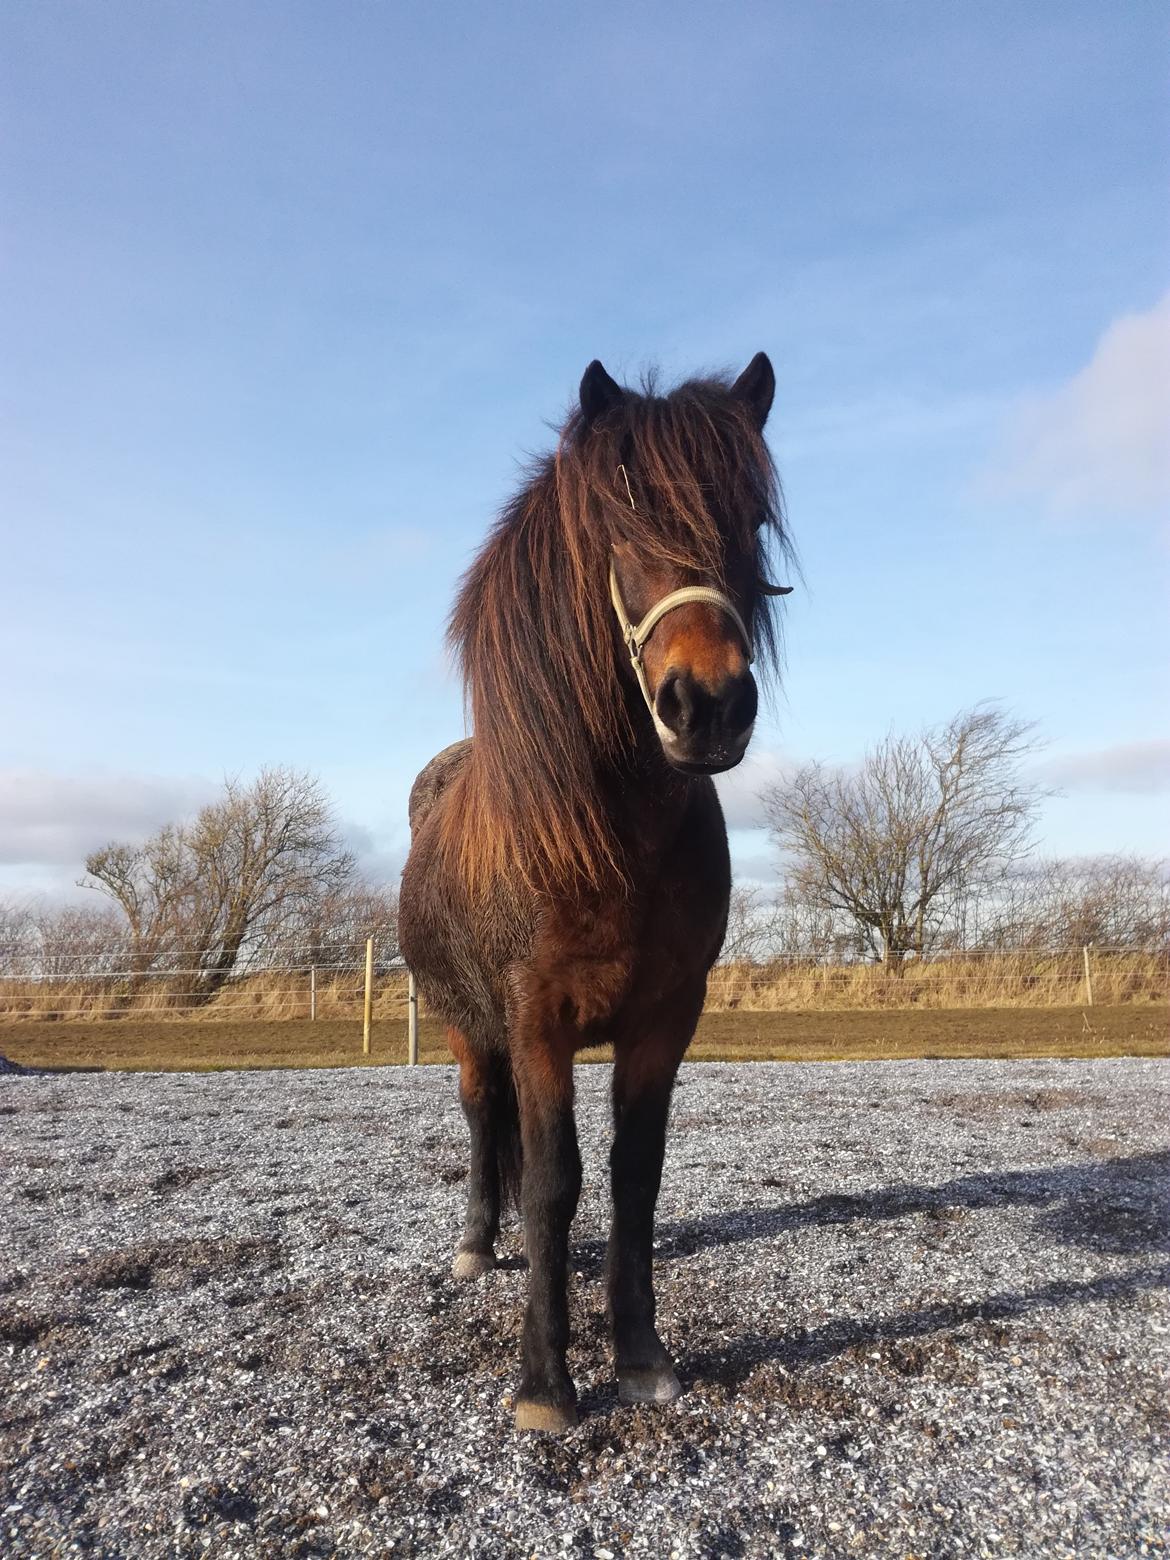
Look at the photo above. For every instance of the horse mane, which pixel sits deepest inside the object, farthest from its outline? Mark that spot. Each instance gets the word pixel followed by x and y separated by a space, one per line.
pixel 534 633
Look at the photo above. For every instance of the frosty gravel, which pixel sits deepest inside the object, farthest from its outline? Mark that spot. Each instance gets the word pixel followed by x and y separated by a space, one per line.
pixel 918 1307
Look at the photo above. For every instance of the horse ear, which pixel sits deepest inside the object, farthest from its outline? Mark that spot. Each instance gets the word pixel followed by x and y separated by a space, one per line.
pixel 599 393
pixel 757 385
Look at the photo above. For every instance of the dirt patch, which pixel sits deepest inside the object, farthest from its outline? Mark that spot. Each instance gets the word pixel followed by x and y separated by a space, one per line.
pixel 1023 1102
pixel 1119 1224
pixel 180 1176
pixel 859 1035
pixel 172 1264
pixel 21 1328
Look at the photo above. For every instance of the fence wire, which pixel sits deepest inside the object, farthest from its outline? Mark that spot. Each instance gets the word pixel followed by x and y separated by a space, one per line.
pixel 330 983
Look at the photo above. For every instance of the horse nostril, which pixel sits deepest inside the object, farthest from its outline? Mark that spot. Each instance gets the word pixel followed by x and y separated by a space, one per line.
pixel 741 706
pixel 675 705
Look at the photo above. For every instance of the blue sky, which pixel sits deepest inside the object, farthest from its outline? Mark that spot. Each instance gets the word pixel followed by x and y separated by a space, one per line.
pixel 289 291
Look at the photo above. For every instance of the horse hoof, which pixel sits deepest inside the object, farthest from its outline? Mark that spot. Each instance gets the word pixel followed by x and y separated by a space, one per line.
pixel 648 1386
pixel 545 1416
pixel 472 1264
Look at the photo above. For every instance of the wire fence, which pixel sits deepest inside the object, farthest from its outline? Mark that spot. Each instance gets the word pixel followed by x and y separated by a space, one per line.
pixel 355 981
pixel 327 982
pixel 1022 977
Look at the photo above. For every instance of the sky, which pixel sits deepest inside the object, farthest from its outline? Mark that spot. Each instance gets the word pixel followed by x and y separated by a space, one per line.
pixel 289 292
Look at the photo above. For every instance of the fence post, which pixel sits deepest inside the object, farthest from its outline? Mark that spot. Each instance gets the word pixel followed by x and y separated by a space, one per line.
pixel 411 1020
pixel 1088 976
pixel 312 993
pixel 368 1012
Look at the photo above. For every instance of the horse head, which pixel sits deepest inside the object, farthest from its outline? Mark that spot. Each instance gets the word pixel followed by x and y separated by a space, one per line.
pixel 695 496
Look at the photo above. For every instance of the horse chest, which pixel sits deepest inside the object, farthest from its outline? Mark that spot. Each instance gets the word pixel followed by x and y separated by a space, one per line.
pixel 589 965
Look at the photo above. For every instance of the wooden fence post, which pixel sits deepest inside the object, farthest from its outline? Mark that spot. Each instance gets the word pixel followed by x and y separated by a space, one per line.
pixel 368 1013
pixel 1088 976
pixel 312 993
pixel 411 1020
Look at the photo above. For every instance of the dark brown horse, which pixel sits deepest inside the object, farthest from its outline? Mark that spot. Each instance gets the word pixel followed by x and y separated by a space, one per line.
pixel 568 875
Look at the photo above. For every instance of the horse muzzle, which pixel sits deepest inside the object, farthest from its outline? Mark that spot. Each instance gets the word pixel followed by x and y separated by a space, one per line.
pixel 704 730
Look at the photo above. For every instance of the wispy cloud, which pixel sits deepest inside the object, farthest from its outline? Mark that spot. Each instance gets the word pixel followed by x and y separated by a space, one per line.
pixel 1101 442
pixel 1135 767
pixel 55 820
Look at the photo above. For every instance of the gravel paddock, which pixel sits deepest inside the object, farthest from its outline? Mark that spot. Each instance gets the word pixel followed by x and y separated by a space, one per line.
pixel 919 1309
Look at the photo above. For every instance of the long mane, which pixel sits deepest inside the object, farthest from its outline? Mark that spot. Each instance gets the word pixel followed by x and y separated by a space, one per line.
pixel 534 631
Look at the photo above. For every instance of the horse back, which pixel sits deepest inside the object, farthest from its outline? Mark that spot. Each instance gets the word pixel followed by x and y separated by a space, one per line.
pixel 431 782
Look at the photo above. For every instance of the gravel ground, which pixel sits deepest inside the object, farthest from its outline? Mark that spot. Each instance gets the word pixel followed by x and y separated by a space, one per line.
pixel 919 1309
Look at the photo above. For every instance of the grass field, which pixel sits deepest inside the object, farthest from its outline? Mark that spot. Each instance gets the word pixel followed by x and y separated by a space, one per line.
pixel 1129 1030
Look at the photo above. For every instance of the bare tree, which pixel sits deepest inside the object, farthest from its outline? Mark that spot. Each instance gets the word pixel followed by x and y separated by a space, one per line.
pixel 763 929
pixel 246 868
pixel 18 939
pixel 896 845
pixel 333 929
pixel 1113 901
pixel 80 942
pixel 750 931
pixel 155 887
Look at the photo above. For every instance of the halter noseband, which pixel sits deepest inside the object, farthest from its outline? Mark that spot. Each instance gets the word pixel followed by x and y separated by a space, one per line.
pixel 636 634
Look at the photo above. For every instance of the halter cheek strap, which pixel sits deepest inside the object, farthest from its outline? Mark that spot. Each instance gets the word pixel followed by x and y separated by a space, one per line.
pixel 635 635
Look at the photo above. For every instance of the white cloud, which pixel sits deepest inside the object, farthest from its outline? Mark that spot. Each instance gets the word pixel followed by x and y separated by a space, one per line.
pixel 741 789
pixel 1134 767
pixel 1101 442
pixel 751 867
pixel 54 820
pixel 377 862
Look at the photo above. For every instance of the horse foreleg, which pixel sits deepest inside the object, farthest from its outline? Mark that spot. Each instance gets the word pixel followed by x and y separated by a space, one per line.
pixel 646 1061
pixel 479 1094
pixel 547 1399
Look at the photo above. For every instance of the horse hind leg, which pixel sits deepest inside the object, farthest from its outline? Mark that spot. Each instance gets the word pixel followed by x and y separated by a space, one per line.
pixel 487 1096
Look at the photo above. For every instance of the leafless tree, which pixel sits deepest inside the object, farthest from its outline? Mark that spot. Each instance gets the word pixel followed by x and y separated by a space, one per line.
pixel 332 930
pixel 17 937
pixel 245 869
pixel 41 940
pixel 79 942
pixel 750 934
pixel 765 928
pixel 1112 901
pixel 896 845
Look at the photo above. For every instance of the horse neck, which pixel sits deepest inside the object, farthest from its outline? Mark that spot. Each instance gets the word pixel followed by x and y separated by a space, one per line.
pixel 648 796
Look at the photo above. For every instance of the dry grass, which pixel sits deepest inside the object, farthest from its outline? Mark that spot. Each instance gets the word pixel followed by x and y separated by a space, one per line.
pixel 1031 980
pixel 279 995
pixel 1000 981
pixel 173 1045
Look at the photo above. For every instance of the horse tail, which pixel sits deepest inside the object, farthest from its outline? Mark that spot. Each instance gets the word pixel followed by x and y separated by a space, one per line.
pixel 509 1147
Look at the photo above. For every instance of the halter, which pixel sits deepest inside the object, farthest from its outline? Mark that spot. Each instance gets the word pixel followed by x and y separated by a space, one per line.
pixel 636 634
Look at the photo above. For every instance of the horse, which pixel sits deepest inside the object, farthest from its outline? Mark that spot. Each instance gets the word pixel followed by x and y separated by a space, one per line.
pixel 568 876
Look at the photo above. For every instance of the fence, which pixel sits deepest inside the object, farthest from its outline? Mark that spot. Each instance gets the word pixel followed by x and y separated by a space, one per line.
pixel 352 983
pixel 958 979
pixel 327 982
pixel 331 982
